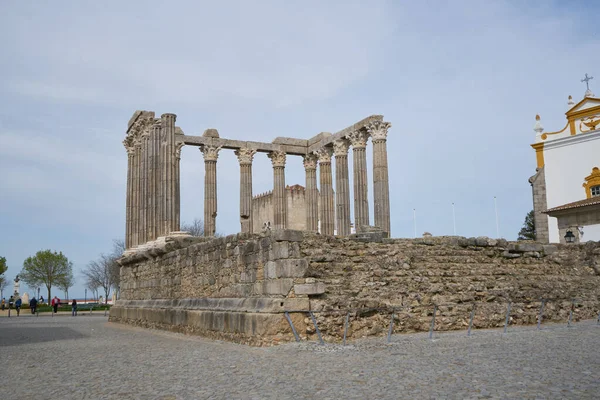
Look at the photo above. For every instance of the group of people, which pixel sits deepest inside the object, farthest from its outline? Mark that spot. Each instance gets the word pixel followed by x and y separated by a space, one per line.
pixel 33 303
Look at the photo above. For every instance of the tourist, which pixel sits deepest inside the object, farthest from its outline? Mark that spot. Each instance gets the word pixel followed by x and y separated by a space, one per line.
pixel 11 301
pixel 33 305
pixel 18 306
pixel 41 299
pixel 74 308
pixel 3 304
pixel 55 304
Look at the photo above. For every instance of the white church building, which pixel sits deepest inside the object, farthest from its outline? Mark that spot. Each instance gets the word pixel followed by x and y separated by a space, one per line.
pixel 566 186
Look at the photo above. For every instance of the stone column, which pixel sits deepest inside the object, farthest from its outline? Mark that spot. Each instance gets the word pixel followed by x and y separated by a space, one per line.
pixel 311 193
pixel 168 166
pixel 129 193
pixel 342 187
pixel 381 183
pixel 358 139
pixel 158 181
pixel 178 148
pixel 135 209
pixel 151 212
pixel 143 229
pixel 245 157
pixel 211 153
pixel 279 197
pixel 326 206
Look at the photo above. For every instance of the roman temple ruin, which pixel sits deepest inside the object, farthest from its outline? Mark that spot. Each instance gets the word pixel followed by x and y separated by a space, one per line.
pixel 154 151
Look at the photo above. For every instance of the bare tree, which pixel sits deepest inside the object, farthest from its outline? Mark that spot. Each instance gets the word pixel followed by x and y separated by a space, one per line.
pixel 3 285
pixel 118 249
pixel 100 273
pixel 66 283
pixel 196 228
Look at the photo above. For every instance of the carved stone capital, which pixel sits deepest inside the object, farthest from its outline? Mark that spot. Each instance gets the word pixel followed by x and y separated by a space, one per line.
pixel 378 130
pixel 340 147
pixel 358 139
pixel 128 144
pixel 178 147
pixel 310 161
pixel 210 153
pixel 277 158
pixel 324 154
pixel 245 156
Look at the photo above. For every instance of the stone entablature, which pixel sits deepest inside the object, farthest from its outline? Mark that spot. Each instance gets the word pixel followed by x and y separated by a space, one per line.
pixel 237 287
pixel 154 151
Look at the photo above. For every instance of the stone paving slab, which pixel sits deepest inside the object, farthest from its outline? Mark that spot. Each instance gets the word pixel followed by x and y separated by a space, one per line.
pixel 88 358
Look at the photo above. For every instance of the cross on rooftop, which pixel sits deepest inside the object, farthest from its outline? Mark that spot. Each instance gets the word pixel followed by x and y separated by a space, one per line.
pixel 587 80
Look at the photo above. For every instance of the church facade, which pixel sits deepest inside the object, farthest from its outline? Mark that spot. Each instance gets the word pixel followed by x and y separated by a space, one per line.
pixel 566 186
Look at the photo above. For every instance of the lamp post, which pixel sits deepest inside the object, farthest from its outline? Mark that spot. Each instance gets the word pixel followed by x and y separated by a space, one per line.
pixel 569 237
pixel 38 296
pixel 85 301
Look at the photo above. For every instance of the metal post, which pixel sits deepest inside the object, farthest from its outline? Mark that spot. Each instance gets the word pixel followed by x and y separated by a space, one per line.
pixel 541 315
pixel 348 317
pixel 312 316
pixel 471 320
pixel 507 317
pixel 389 337
pixel 287 316
pixel 598 322
pixel 91 308
pixel 432 322
pixel 571 313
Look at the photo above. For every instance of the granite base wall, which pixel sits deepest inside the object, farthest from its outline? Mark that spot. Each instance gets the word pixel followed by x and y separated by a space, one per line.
pixel 237 288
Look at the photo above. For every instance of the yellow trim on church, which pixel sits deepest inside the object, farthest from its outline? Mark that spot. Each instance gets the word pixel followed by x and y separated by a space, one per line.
pixel 592 180
pixel 539 154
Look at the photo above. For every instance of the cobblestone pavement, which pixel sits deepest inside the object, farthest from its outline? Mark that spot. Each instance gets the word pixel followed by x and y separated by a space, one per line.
pixel 88 358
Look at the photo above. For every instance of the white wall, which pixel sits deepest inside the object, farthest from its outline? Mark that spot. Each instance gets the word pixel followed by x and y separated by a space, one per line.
pixel 567 162
pixel 591 233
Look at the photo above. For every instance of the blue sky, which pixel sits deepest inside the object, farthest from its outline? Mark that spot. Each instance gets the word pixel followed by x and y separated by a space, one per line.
pixel 460 82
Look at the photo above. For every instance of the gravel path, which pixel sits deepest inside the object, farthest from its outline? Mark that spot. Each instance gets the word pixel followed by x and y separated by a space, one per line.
pixel 88 358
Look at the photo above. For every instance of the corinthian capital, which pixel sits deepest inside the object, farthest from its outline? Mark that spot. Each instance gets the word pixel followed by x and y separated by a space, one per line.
pixel 378 130
pixel 178 147
pixel 128 144
pixel 358 139
pixel 245 156
pixel 310 161
pixel 340 147
pixel 277 158
pixel 324 154
pixel 210 153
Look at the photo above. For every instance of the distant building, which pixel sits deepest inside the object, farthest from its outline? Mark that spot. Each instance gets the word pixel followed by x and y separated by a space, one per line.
pixel 262 208
pixel 566 186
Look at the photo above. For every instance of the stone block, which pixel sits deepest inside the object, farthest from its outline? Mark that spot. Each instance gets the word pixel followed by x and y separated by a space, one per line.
pixel 287 268
pixel 279 250
pixel 527 247
pixel 286 235
pixel 274 287
pixel 309 288
pixel 549 249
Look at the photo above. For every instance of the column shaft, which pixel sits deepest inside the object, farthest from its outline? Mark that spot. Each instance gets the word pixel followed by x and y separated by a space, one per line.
pixel 311 193
pixel 327 210
pixel 245 157
pixel 361 188
pixel 381 186
pixel 342 187
pixel 178 186
pixel 210 154
pixel 168 164
pixel 128 198
pixel 279 193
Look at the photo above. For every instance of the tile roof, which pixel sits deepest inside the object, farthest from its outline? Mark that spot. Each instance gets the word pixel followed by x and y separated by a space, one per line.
pixel 576 204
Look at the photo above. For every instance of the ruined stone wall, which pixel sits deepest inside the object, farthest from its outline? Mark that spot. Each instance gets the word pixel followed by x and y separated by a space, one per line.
pixel 238 287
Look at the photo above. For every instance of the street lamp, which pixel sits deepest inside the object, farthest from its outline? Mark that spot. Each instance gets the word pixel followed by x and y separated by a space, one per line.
pixel 569 237
pixel 85 301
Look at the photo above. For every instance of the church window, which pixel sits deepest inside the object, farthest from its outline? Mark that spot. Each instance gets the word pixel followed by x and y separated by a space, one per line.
pixel 592 183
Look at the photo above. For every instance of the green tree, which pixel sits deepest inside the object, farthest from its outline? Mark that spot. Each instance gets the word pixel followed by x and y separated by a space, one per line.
pixel 3 268
pixel 47 268
pixel 527 232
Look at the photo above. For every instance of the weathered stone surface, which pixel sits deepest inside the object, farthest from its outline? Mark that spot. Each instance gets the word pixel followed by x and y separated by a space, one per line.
pixel 309 288
pixel 287 235
pixel 409 275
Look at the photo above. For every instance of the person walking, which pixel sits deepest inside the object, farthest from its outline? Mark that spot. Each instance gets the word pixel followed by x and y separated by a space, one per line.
pixel 74 308
pixel 18 306
pixel 33 305
pixel 55 304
